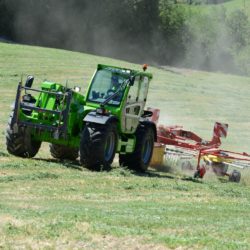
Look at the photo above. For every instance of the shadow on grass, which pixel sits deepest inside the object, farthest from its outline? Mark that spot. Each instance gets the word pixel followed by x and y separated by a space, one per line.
pixel 74 164
pixel 170 170
pixel 156 174
pixel 223 180
pixel 192 179
pixel 148 174
pixel 66 163
pixel 152 174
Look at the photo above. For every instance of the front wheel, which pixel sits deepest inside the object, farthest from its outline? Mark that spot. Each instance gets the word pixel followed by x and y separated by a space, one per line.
pixel 21 143
pixel 139 160
pixel 98 145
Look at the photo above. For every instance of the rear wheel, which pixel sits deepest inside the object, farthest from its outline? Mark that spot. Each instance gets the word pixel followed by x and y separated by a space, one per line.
pixel 139 160
pixel 63 152
pixel 98 145
pixel 21 143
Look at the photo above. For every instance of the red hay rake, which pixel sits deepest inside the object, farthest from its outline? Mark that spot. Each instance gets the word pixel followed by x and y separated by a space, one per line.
pixel 186 145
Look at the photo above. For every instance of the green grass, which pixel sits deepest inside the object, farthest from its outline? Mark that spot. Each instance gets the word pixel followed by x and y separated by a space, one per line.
pixel 49 204
pixel 46 203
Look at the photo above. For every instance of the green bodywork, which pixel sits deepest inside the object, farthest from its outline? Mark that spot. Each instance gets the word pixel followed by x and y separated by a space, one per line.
pixel 71 107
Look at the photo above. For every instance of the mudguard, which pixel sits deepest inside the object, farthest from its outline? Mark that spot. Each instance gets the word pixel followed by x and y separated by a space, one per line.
pixel 93 117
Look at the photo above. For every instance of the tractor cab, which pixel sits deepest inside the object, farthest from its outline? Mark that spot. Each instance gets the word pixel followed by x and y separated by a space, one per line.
pixel 122 92
pixel 105 83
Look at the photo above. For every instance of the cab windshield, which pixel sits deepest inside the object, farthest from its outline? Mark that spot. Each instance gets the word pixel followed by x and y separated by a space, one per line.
pixel 105 83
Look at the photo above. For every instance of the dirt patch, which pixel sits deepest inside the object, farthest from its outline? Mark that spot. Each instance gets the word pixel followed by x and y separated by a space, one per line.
pixel 5 219
pixel 93 243
pixel 5 159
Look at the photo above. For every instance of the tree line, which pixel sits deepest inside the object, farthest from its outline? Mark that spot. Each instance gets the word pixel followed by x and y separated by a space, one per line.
pixel 161 32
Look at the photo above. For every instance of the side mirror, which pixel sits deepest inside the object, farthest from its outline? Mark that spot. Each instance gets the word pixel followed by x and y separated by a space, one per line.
pixel 131 81
pixel 29 81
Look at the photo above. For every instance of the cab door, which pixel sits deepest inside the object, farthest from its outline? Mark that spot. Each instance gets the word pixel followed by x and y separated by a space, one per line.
pixel 134 104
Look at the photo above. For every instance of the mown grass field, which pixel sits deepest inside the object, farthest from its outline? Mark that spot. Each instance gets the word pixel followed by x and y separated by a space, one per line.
pixel 49 204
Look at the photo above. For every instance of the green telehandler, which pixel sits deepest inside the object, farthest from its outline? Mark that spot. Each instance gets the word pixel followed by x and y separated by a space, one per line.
pixel 109 119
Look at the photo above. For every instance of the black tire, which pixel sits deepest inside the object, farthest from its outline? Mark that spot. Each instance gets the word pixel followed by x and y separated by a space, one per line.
pixel 63 152
pixel 98 146
pixel 139 160
pixel 235 176
pixel 196 174
pixel 21 143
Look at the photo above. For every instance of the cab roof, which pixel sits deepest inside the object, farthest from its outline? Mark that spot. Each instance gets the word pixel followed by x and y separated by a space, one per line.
pixel 124 71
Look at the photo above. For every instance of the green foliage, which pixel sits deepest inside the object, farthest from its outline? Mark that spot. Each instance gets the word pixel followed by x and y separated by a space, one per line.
pixel 238 25
pixel 172 16
pixel 219 45
pixel 172 20
pixel 243 60
pixel 206 45
pixel 203 34
pixel 212 39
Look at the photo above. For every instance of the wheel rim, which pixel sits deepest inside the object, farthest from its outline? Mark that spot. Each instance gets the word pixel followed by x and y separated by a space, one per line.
pixel 109 147
pixel 146 152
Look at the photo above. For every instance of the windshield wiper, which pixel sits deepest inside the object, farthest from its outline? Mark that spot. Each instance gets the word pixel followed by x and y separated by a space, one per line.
pixel 124 83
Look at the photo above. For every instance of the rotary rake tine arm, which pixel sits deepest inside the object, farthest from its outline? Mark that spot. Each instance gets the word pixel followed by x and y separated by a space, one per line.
pixel 183 140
